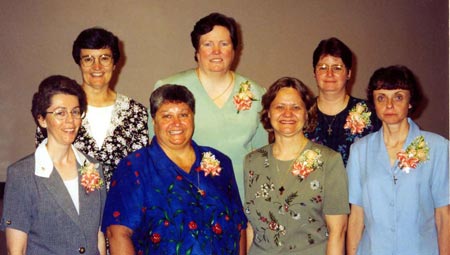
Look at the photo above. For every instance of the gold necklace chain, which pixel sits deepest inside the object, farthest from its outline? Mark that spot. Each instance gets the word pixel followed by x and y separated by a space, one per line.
pixel 200 191
pixel 283 176
pixel 224 91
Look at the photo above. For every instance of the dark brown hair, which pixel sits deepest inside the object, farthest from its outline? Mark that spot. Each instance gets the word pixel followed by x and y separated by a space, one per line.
pixel 395 77
pixel 206 25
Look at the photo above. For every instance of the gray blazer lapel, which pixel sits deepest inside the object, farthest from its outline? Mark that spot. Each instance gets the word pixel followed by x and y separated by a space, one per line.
pixel 58 190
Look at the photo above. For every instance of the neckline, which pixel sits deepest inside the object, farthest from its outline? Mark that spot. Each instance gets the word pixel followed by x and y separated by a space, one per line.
pixel 348 99
pixel 212 100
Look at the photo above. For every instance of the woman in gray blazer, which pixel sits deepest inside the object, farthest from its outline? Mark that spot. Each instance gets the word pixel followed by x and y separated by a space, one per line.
pixel 54 197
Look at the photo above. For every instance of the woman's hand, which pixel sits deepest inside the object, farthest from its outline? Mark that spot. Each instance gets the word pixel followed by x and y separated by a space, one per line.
pixel 250 235
pixel 120 240
pixel 443 228
pixel 101 243
pixel 355 228
pixel 16 241
pixel 337 225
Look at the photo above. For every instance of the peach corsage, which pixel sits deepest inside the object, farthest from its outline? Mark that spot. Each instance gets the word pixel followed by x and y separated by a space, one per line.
pixel 244 98
pixel 209 164
pixel 416 152
pixel 358 118
pixel 90 177
pixel 307 162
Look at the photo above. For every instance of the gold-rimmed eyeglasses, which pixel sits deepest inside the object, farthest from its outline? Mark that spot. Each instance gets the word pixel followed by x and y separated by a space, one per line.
pixel 89 60
pixel 63 113
pixel 323 68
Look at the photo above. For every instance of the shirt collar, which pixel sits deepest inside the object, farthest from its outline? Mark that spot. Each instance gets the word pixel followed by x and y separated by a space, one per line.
pixel 43 166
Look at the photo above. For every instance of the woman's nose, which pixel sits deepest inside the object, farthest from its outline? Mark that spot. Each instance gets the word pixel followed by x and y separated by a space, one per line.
pixel 287 112
pixel 216 49
pixel 389 103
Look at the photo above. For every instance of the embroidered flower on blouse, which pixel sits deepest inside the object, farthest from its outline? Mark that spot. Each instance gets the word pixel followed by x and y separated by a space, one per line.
pixel 358 118
pixel 307 162
pixel 209 164
pixel 90 178
pixel 315 185
pixel 415 153
pixel 244 98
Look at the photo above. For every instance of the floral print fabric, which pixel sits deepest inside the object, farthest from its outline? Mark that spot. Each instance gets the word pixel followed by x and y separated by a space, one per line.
pixel 286 211
pixel 128 132
pixel 162 204
pixel 341 138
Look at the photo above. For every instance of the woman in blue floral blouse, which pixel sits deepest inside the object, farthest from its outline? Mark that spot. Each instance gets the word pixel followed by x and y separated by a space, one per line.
pixel 174 196
pixel 340 118
pixel 295 190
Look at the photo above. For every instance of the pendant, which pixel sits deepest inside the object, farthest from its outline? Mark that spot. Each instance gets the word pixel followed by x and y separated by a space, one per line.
pixel 201 192
pixel 330 130
pixel 281 189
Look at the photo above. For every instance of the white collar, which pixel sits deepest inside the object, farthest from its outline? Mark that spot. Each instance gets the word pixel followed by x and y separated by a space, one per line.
pixel 43 165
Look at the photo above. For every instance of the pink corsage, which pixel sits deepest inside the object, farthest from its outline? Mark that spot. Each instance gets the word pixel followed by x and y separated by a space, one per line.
pixel 244 98
pixel 358 118
pixel 210 165
pixel 309 161
pixel 90 178
pixel 415 153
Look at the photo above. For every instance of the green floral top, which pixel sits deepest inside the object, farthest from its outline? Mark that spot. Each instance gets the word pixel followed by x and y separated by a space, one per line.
pixel 287 212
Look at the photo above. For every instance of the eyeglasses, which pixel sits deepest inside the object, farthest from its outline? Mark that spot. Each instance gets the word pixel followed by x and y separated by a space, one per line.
pixel 104 60
pixel 323 68
pixel 62 113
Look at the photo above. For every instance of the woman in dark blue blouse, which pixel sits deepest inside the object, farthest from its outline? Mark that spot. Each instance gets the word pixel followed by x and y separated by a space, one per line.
pixel 340 119
pixel 174 196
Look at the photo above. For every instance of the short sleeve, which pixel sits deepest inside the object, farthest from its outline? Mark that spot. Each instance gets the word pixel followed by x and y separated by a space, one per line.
pixel 354 179
pixel 440 176
pixel 336 188
pixel 125 198
pixel 17 205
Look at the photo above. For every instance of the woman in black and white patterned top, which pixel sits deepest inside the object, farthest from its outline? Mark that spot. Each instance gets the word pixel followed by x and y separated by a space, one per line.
pixel 115 125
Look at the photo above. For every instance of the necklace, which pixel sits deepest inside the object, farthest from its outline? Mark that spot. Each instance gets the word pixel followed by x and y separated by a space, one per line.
pixel 289 163
pixel 224 91
pixel 330 124
pixel 200 191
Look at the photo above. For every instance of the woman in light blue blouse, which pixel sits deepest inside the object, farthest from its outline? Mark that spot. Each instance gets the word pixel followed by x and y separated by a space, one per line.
pixel 398 176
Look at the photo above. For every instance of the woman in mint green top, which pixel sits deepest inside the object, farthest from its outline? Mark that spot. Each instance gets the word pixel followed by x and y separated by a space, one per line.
pixel 228 104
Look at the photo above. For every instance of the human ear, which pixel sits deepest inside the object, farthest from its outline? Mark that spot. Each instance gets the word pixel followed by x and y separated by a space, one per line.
pixel 42 122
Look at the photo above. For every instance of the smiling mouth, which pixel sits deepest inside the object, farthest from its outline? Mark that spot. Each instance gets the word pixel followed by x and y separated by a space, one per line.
pixel 287 121
pixel 176 132
pixel 97 74
pixel 216 60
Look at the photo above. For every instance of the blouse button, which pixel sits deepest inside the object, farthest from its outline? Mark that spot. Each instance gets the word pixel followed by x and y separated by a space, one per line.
pixel 82 250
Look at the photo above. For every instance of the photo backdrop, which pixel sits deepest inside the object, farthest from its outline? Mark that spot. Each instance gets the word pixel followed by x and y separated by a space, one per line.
pixel 278 38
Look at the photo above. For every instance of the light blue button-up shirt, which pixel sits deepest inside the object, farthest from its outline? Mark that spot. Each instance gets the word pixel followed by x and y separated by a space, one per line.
pixel 398 206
